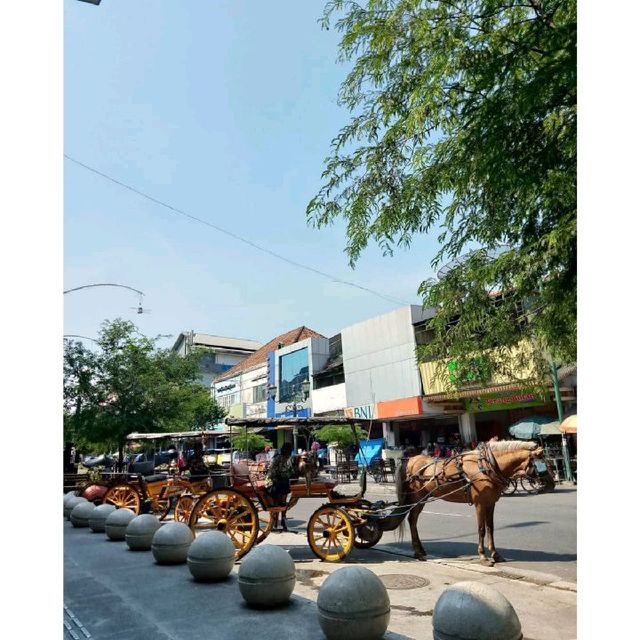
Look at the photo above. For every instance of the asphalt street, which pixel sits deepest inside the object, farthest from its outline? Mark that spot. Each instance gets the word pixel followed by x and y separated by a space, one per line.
pixel 532 532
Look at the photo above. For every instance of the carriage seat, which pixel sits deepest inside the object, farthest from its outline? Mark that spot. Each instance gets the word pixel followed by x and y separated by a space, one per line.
pixel 155 478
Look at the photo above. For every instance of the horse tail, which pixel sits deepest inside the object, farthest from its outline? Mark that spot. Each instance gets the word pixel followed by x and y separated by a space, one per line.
pixel 400 479
pixel 401 494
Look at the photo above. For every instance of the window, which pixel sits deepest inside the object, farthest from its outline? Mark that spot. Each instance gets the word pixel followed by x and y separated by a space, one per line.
pixel 260 393
pixel 294 370
pixel 228 400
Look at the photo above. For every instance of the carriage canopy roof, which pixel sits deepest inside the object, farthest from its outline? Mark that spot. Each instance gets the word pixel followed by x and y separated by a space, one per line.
pixel 176 435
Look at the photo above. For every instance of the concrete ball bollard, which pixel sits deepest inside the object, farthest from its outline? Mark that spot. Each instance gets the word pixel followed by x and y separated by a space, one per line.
pixel 69 495
pixel 116 523
pixel 98 517
pixel 211 556
pixel 140 531
pixel 81 513
pixel 170 543
pixel 474 611
pixel 267 576
pixel 70 504
pixel 353 604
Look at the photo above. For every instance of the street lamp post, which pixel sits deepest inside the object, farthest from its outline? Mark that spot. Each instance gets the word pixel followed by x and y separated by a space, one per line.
pixel 568 472
pixel 295 406
pixel 139 309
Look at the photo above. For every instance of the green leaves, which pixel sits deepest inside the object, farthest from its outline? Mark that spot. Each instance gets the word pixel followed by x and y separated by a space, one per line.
pixel 341 435
pixel 463 125
pixel 131 385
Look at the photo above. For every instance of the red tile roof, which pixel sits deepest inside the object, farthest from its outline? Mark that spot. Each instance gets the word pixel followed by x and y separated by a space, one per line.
pixel 260 356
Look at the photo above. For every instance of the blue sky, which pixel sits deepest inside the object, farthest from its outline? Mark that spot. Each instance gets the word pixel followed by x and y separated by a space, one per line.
pixel 225 110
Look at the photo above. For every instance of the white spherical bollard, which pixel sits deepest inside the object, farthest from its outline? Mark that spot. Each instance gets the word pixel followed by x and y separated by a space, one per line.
pixel 353 604
pixel 140 532
pixel 98 517
pixel 211 556
pixel 81 513
pixel 170 543
pixel 70 504
pixel 267 576
pixel 474 611
pixel 116 523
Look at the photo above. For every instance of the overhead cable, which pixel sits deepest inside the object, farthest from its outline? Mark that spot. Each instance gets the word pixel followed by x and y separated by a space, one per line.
pixel 231 234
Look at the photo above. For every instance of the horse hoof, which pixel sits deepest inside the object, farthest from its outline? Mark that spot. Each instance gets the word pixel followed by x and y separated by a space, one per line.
pixel 498 558
pixel 421 557
pixel 486 562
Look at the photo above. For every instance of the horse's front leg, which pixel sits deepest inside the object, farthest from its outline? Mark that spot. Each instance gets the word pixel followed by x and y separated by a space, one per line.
pixel 418 549
pixel 489 520
pixel 481 515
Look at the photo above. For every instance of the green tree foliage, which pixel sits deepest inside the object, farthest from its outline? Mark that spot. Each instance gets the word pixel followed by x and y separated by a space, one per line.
pixel 130 385
pixel 464 126
pixel 340 434
pixel 248 441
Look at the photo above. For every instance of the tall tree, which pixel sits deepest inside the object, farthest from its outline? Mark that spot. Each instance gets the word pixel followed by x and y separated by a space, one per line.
pixel 130 386
pixel 464 126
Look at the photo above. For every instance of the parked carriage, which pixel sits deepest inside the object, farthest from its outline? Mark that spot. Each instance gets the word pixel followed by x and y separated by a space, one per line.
pixel 247 514
pixel 144 491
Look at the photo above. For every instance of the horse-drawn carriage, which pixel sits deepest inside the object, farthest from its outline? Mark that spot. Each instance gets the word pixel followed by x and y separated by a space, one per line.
pixel 239 505
pixel 144 490
pixel 246 512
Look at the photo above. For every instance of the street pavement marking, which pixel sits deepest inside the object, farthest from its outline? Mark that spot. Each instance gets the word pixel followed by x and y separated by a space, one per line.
pixel 69 628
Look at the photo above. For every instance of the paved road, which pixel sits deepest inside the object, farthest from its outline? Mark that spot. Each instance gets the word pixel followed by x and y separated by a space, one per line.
pixel 533 532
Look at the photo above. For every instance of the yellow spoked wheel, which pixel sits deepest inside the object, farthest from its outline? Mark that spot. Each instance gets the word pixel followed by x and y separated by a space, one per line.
pixel 266 520
pixel 228 511
pixel 182 511
pixel 123 497
pixel 330 534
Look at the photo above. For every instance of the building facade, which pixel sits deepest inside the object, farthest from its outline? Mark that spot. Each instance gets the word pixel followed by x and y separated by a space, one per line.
pixel 243 389
pixel 221 353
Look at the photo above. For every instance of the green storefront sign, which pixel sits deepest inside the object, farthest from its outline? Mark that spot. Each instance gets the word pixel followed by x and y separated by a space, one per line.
pixel 504 400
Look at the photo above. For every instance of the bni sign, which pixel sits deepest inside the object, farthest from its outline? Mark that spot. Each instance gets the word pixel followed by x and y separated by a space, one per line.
pixel 364 412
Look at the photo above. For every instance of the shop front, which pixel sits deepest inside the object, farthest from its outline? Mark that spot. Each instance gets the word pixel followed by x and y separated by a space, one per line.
pixel 416 423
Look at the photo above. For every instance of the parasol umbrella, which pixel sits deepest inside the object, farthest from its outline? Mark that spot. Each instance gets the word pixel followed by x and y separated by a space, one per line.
pixel 531 427
pixel 550 429
pixel 570 424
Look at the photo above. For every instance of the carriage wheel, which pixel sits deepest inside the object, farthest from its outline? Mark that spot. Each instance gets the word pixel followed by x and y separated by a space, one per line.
pixel 123 497
pixel 330 534
pixel 228 511
pixel 184 505
pixel 266 522
pixel 367 535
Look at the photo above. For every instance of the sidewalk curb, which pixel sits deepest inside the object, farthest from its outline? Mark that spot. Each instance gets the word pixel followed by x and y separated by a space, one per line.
pixel 523 575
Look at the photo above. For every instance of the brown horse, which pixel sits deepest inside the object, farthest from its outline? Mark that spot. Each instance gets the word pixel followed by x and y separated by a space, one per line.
pixel 476 477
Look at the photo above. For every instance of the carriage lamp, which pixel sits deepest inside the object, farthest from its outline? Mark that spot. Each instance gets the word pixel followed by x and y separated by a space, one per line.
pixel 272 390
pixel 306 385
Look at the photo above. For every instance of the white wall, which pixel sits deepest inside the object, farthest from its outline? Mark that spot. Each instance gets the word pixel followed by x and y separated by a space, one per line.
pixel 379 357
pixel 330 398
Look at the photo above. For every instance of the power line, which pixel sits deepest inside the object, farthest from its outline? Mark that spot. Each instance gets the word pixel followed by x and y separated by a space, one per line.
pixel 235 235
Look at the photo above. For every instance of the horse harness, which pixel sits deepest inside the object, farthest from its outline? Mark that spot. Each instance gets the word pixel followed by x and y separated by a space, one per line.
pixel 487 466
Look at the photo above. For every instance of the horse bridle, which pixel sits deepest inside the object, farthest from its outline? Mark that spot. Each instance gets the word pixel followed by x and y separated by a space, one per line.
pixel 491 469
